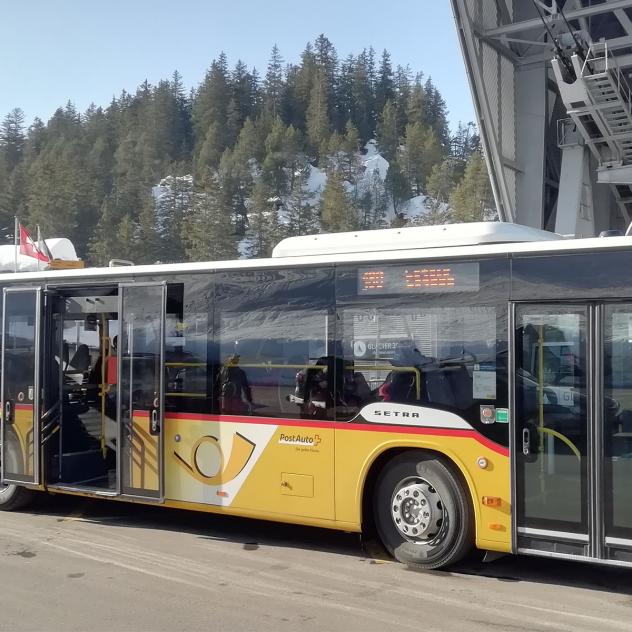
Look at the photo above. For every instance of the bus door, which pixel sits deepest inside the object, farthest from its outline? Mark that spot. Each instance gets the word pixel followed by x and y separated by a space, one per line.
pixel 21 331
pixel 553 399
pixel 140 350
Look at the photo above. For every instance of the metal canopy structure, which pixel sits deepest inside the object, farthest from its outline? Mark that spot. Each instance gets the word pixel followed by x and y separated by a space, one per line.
pixel 552 91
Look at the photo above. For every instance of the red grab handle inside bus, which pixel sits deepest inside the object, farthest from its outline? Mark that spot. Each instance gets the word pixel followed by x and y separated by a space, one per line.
pixel 112 370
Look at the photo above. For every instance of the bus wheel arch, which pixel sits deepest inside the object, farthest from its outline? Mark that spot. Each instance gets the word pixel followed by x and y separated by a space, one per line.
pixel 434 529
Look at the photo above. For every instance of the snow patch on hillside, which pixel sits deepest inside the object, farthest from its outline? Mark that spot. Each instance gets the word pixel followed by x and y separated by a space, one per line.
pixel 316 181
pixel 178 192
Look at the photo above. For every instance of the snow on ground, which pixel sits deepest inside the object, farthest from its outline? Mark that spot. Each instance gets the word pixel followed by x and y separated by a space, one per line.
pixel 415 207
pixel 316 181
pixel 375 164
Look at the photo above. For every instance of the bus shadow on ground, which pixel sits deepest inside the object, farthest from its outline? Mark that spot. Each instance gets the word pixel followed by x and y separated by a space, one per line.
pixel 524 568
pixel 248 532
pixel 253 534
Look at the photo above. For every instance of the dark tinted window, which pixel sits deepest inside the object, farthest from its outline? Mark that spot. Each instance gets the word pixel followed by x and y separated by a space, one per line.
pixel 273 330
pixel 576 276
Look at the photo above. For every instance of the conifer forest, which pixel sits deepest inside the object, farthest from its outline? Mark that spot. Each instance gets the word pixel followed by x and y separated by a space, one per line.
pixel 231 167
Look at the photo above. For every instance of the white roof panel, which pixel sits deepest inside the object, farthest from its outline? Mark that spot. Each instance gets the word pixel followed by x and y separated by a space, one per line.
pixel 411 238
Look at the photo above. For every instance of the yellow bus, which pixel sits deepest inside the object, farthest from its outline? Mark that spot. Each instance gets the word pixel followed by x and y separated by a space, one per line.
pixel 450 387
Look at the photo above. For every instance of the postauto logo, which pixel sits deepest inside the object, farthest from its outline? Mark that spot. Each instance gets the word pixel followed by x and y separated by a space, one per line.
pixel 299 439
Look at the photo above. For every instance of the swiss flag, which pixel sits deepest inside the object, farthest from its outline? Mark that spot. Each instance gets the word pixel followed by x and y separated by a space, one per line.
pixel 28 247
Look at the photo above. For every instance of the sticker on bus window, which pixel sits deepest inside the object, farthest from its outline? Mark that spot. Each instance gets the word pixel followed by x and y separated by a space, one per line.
pixel 484 384
pixel 502 415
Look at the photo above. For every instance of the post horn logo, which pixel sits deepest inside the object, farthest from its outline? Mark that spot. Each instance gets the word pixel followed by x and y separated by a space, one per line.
pixel 207 462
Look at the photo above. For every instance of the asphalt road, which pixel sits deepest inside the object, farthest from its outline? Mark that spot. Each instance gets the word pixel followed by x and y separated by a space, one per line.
pixel 74 564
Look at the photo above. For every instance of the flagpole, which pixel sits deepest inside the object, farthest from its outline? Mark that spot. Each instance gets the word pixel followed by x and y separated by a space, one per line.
pixel 39 243
pixel 16 230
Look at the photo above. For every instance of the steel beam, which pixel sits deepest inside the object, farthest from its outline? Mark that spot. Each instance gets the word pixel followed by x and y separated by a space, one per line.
pixel 575 14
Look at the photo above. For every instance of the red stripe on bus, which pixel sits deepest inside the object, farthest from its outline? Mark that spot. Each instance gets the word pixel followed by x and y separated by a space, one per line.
pixel 24 407
pixel 421 430
pixel 338 425
pixel 266 421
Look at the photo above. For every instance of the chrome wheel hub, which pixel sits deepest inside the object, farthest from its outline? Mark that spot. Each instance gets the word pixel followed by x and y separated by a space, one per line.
pixel 417 511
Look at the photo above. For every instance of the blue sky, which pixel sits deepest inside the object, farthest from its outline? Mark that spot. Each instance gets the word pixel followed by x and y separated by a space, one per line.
pixel 89 50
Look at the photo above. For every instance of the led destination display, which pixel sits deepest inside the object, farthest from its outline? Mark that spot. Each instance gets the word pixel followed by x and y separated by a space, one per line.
pixel 419 279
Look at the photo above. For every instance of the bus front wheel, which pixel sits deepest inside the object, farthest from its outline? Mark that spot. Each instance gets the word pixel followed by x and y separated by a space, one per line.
pixel 423 513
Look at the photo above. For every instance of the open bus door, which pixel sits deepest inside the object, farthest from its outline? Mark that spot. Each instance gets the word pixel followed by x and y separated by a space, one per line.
pixel 140 359
pixel 20 386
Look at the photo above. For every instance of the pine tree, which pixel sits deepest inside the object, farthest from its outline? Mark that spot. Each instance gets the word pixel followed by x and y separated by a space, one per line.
pixel 149 245
pixel 244 92
pixel 265 229
pixel 465 141
pixel 174 201
pixel 302 82
pixel 439 187
pixel 471 200
pixel 299 211
pixel 421 152
pixel 413 159
pixel 273 85
pixel 385 88
pixel 416 105
pixel 180 124
pixel 104 243
pixel 235 180
pixel 317 116
pixel 126 246
pixel 337 212
pixel 210 151
pixel 283 153
pixel 12 138
pixel 442 180
pixel 397 186
pixel 207 230
pixel 436 113
pixel 402 97
pixel 210 105
pixel 387 135
pixel 350 163
pixel 344 93
pixel 6 203
pixel 327 62
pixel 362 105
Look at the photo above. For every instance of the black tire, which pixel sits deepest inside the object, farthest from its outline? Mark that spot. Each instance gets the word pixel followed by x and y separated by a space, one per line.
pixel 12 496
pixel 434 504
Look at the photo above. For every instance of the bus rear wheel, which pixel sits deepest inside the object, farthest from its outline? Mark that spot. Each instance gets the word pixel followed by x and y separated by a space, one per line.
pixel 12 496
pixel 423 513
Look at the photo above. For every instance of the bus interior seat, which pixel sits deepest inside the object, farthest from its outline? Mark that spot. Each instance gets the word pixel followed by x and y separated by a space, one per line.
pixel 448 385
pixel 80 361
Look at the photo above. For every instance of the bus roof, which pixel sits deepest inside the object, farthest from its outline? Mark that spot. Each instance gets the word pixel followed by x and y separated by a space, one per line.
pixel 412 238
pixel 557 245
